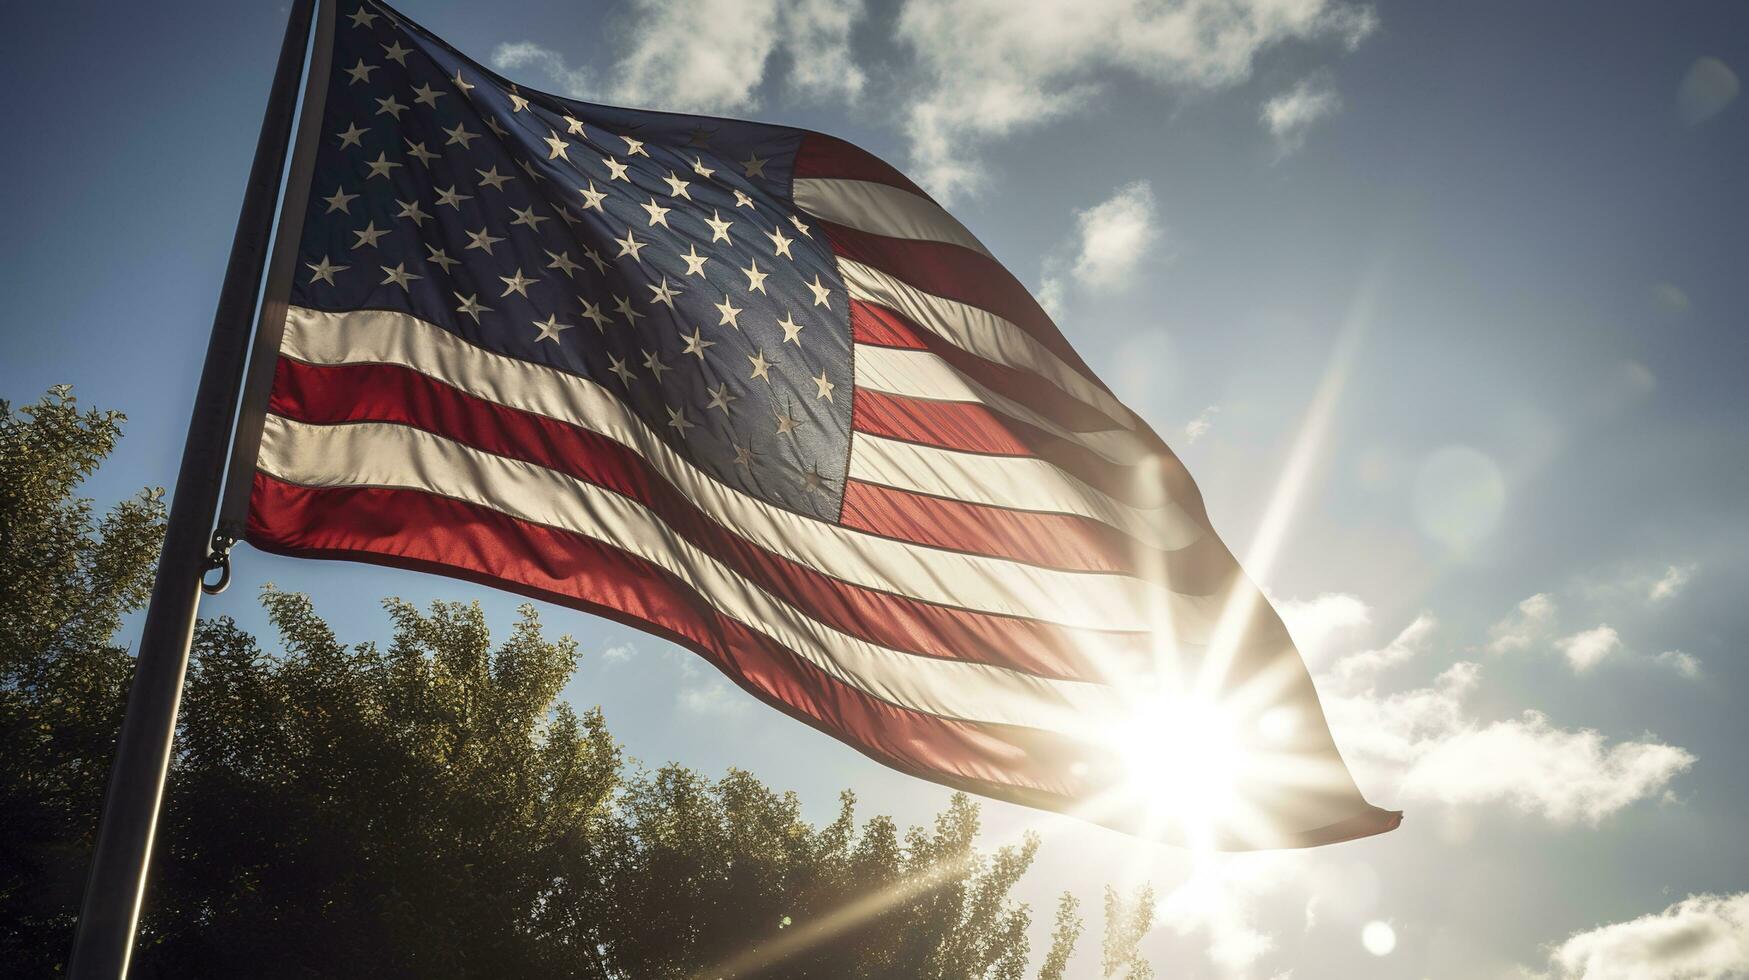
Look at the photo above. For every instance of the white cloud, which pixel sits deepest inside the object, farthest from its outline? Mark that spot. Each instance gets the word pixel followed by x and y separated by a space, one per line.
pixel 1320 624
pixel 1198 427
pixel 1587 648
pixel 670 63
pixel 1219 899
pixel 1672 581
pixel 1291 115
pixel 560 76
pixel 1427 744
pixel 1038 60
pixel 1683 663
pixel 712 699
pixel 619 652
pixel 1051 294
pixel 1518 631
pixel 1699 937
pixel 816 34
pixel 1115 235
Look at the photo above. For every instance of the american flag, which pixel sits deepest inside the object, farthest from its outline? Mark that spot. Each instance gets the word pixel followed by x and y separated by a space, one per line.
pixel 750 389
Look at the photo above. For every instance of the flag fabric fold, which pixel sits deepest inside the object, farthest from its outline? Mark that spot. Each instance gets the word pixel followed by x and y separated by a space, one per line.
pixel 749 388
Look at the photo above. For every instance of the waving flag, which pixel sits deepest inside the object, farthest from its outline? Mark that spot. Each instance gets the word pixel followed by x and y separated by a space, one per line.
pixel 749 388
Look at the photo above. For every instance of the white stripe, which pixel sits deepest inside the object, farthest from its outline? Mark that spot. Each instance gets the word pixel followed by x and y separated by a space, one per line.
pixel 1017 483
pixel 920 374
pixel 980 332
pixel 994 585
pixel 378 454
pixel 881 209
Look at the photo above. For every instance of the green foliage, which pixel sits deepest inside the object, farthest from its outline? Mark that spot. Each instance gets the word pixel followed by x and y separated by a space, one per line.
pixel 429 807
pixel 67 577
pixel 1126 923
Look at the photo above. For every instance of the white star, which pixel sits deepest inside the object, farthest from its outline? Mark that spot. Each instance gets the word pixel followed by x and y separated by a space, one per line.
pixel 517 284
pixel 360 72
pixel 823 388
pixel 528 169
pixel 557 148
pixel 617 170
pixel 754 165
pixel 397 54
pixel 694 261
pixel 677 420
pixel 471 306
pixel 440 258
pixel 699 168
pixel 629 246
pixel 497 130
pixel 634 147
pixel 418 152
pixel 696 344
pixel 619 368
pixel 562 262
pixel 324 270
pixel 786 423
pixel 362 18
pixel 482 240
pixel 719 227
pixel 493 179
pixel 822 294
pixel 381 166
pixel 460 135
pixel 392 106
pixel 349 136
pixel 411 209
pixel 720 398
pixel 761 366
pixel 461 85
pixel 526 216
pixel 398 275
pixel 664 293
pixel 453 199
pixel 426 95
pixel 779 244
pixel 812 481
pixel 593 313
pixel 755 278
pixel 676 186
pixel 623 304
pixel 594 257
pixel 658 214
pixel 796 220
pixel 338 202
pixel 729 313
pixel 550 329
pixel 791 329
pixel 743 455
pixel 517 102
pixel 575 127
pixel 368 237
pixel 654 365
pixel 741 199
pixel 592 198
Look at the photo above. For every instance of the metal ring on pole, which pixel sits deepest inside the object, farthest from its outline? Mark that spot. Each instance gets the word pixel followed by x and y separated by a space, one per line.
pixel 218 559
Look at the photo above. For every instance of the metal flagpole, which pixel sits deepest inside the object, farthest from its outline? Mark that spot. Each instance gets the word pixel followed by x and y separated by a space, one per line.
pixel 114 889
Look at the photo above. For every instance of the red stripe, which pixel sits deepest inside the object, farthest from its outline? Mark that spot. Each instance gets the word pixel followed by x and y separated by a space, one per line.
pixel 960 274
pixel 1053 540
pixel 871 323
pixel 829 157
pixel 410 529
pixel 973 428
pixel 390 393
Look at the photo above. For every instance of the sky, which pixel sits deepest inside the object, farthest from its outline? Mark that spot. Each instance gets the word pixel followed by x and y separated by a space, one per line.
pixel 1441 304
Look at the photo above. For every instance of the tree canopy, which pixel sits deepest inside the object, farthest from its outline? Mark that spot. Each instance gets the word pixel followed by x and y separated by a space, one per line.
pixel 429 806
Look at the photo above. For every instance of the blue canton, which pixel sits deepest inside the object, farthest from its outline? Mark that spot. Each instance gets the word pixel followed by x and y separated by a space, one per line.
pixel 655 254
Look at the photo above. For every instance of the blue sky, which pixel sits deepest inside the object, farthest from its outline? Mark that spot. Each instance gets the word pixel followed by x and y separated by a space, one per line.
pixel 1451 295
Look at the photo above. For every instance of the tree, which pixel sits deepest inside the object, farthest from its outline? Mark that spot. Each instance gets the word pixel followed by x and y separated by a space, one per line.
pixel 428 806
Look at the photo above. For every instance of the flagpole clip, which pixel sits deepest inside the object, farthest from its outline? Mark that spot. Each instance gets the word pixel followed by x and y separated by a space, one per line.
pixel 218 559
